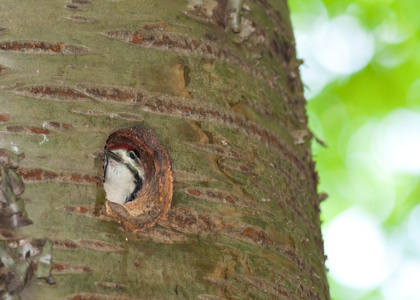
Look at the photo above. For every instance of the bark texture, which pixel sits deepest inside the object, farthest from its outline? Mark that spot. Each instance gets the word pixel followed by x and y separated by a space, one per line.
pixel 228 107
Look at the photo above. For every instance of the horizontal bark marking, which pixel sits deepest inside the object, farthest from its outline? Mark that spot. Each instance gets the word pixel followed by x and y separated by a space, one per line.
pixel 65 244
pixel 81 19
pixel 42 47
pixel 245 168
pixel 34 174
pixel 111 285
pixel 57 125
pixel 30 175
pixel 96 296
pixel 190 221
pixel 158 38
pixel 97 245
pixel 67 268
pixel 83 92
pixel 82 2
pixel 73 7
pixel 111 93
pixel 90 211
pixel 115 115
pixel 59 93
pixel 25 130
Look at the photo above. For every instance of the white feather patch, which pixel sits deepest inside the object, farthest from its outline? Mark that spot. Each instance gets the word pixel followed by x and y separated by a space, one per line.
pixel 119 182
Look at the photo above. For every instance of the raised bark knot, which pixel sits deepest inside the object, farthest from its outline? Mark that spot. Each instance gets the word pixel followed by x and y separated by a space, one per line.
pixel 138 179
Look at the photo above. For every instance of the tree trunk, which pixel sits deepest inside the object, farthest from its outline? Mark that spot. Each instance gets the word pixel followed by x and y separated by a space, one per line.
pixel 224 96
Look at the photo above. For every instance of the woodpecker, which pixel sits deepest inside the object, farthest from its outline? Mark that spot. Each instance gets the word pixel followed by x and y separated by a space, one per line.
pixel 123 174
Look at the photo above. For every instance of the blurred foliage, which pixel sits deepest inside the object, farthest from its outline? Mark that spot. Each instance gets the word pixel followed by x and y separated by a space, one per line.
pixel 350 114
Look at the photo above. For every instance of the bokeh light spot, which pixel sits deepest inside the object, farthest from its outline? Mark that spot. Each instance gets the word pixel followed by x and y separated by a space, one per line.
pixel 397 141
pixel 404 284
pixel 343 46
pixel 356 250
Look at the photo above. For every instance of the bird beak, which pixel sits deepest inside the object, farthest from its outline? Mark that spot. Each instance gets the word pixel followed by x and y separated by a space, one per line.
pixel 112 155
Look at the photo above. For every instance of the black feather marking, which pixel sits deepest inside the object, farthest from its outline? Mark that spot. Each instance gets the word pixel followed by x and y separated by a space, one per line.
pixel 139 185
pixel 105 165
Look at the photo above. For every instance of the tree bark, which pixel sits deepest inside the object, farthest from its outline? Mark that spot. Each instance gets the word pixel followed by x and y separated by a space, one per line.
pixel 223 94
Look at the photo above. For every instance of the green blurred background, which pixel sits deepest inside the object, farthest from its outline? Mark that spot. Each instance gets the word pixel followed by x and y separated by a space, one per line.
pixel 362 76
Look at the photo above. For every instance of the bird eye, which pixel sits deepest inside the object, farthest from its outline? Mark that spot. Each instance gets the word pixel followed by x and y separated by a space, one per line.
pixel 132 155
